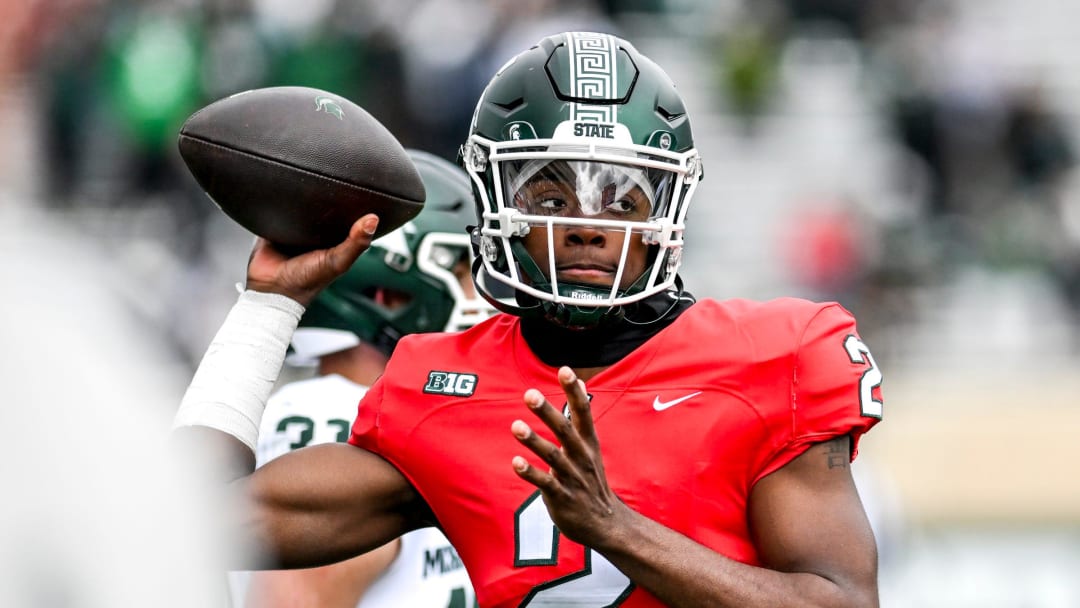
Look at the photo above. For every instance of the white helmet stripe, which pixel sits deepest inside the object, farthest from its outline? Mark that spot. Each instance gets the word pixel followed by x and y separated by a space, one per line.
pixel 592 75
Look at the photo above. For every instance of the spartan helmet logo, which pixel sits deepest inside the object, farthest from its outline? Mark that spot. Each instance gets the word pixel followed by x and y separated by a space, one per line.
pixel 328 105
pixel 515 132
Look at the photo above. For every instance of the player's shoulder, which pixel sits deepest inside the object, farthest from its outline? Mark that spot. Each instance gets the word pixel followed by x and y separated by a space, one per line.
pixel 418 358
pixel 495 327
pixel 747 309
pixel 779 315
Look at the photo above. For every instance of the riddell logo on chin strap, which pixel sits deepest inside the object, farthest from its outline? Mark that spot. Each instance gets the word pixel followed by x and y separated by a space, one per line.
pixel 457 384
pixel 586 295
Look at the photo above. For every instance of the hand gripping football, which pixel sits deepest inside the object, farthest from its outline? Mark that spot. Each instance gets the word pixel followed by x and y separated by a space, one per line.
pixel 298 166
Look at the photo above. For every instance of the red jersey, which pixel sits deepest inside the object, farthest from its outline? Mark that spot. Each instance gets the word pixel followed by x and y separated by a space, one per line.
pixel 688 422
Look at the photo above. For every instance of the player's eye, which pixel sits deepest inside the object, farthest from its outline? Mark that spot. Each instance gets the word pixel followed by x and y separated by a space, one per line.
pixel 623 206
pixel 551 206
pixel 542 197
pixel 632 205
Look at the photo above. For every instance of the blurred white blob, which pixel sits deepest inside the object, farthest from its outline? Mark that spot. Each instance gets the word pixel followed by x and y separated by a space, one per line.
pixel 94 512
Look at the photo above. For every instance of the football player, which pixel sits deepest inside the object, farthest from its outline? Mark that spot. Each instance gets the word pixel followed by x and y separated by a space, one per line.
pixel 415 279
pixel 608 442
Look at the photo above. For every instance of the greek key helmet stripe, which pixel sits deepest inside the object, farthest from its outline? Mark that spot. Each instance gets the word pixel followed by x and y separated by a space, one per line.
pixel 592 75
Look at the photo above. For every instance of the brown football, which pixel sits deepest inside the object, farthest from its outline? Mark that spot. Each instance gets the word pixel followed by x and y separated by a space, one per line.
pixel 298 165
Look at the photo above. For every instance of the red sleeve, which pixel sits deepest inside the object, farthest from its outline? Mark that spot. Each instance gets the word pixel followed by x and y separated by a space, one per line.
pixel 836 386
pixel 365 429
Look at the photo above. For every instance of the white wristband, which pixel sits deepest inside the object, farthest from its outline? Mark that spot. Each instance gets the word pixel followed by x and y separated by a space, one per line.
pixel 241 365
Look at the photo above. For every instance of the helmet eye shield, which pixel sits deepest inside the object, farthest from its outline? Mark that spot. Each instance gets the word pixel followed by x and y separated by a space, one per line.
pixel 586 189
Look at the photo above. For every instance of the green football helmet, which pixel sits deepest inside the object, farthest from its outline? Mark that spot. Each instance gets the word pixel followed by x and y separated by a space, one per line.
pixel 589 114
pixel 416 262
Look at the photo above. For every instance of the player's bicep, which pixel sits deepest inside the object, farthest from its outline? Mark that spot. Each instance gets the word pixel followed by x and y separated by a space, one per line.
pixel 807 517
pixel 325 503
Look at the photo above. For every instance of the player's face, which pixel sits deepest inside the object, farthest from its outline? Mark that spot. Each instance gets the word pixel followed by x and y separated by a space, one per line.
pixel 586 254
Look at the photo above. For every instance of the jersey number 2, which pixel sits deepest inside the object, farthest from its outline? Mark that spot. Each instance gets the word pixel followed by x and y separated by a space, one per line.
pixel 858 352
pixel 536 540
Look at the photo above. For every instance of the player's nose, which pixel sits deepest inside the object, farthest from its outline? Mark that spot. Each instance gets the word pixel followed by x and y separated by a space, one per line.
pixel 585 235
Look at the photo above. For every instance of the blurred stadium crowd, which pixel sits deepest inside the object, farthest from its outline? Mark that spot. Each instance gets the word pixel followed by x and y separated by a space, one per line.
pixel 915 145
pixel 916 160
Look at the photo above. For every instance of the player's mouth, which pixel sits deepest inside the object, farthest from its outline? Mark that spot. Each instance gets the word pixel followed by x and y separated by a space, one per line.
pixel 586 273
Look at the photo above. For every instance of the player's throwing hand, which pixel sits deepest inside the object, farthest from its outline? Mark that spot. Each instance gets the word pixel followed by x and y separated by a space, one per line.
pixel 303 276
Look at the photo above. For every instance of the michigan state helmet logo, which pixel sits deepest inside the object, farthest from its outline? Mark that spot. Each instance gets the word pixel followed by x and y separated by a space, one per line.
pixel 328 105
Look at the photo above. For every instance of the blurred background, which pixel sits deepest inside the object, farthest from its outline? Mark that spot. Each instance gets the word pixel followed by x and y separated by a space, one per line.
pixel 916 160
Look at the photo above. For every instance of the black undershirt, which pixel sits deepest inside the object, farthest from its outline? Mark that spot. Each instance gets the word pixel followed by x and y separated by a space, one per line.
pixel 602 346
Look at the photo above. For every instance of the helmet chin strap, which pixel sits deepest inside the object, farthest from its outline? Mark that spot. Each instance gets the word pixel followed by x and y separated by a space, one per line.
pixel 500 305
pixel 580 317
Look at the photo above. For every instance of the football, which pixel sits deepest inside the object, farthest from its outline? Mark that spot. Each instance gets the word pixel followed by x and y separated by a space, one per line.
pixel 298 166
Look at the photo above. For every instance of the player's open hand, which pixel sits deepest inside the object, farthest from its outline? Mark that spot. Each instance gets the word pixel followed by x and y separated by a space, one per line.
pixel 302 277
pixel 575 488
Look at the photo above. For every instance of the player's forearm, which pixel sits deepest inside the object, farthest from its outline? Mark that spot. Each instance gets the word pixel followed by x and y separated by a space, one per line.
pixel 233 381
pixel 681 572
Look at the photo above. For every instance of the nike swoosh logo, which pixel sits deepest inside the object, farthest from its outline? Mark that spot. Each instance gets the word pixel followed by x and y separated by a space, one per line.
pixel 663 405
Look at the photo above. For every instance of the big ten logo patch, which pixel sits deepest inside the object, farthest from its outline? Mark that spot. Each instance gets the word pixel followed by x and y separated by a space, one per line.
pixel 450 383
